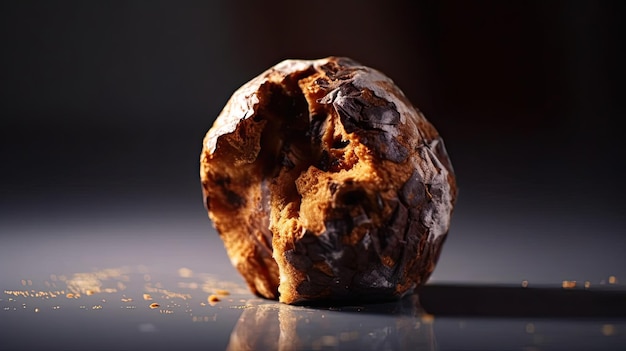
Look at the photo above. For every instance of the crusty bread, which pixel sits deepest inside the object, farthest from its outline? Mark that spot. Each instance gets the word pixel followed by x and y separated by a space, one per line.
pixel 325 183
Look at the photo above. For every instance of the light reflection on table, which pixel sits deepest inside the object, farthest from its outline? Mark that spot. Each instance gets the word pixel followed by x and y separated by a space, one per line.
pixel 135 301
pixel 270 326
pixel 137 307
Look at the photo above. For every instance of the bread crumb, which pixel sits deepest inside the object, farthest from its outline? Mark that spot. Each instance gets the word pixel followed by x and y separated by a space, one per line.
pixel 569 284
pixel 213 299
pixel 524 283
pixel 427 318
pixel 612 280
pixel 154 305
pixel 147 297
pixel 608 329
pixel 185 272
pixel 222 292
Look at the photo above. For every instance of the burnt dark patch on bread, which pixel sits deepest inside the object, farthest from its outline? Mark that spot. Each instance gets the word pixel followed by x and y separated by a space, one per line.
pixel 326 184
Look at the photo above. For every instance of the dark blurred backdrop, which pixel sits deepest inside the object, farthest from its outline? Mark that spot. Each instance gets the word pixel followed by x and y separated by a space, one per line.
pixel 105 104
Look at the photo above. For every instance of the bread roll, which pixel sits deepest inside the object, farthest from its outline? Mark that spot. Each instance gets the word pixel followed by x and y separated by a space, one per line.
pixel 326 184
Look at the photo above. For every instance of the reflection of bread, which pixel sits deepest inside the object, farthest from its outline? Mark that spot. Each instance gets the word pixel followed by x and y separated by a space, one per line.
pixel 325 183
pixel 271 326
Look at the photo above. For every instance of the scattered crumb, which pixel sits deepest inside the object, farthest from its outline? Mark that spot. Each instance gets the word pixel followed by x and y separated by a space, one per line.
pixel 154 305
pixel 569 284
pixel 524 283
pixel 608 329
pixel 348 336
pixel 213 299
pixel 71 296
pixel 329 341
pixel 427 318
pixel 222 292
pixel 185 272
pixel 612 280
pixel 147 297
pixel 89 292
pixel 587 284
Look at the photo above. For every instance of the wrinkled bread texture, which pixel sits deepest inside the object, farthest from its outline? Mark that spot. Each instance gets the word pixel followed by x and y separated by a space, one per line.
pixel 325 183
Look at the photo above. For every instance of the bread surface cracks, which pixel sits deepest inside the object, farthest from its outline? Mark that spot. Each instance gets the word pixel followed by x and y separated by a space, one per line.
pixel 292 168
pixel 283 164
pixel 324 183
pixel 305 154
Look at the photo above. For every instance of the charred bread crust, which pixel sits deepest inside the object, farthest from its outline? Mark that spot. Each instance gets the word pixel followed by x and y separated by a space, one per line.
pixel 325 183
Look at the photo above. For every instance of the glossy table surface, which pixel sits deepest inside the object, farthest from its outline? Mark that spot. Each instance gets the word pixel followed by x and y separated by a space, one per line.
pixel 174 289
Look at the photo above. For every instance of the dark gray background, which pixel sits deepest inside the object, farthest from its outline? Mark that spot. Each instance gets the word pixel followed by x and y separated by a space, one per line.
pixel 105 105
